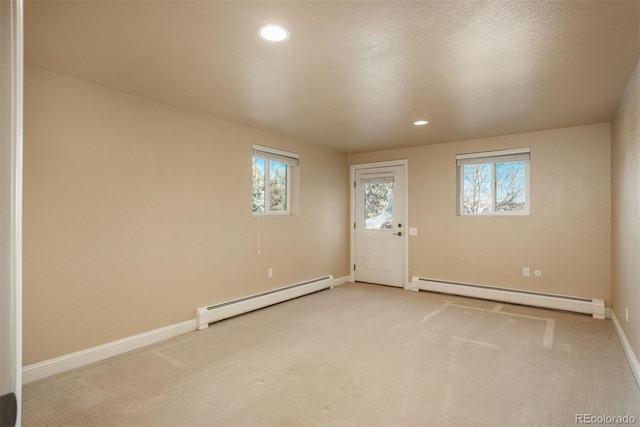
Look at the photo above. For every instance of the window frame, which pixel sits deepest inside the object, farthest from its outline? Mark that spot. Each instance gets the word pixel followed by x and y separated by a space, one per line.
pixel 493 158
pixel 290 160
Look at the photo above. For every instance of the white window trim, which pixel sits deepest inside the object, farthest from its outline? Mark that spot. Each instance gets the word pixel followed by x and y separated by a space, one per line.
pixel 274 154
pixel 493 157
pixel 290 159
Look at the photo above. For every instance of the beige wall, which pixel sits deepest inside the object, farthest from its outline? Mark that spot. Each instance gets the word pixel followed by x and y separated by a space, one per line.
pixel 625 185
pixel 567 235
pixel 136 213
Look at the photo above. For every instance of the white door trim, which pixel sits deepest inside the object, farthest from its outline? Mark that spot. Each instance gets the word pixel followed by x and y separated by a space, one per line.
pixel 405 220
pixel 11 91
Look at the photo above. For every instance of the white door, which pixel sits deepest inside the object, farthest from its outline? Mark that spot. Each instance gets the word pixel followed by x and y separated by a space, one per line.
pixel 380 229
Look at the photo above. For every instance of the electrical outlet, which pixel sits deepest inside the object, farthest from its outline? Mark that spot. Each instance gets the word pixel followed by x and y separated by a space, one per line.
pixel 525 271
pixel 626 314
pixel 270 272
pixel 537 273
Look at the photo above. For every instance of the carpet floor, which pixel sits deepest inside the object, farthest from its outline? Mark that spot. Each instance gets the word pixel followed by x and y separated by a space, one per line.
pixel 357 355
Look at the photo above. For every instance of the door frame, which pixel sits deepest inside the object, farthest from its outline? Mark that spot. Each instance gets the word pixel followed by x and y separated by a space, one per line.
pixel 352 215
pixel 11 113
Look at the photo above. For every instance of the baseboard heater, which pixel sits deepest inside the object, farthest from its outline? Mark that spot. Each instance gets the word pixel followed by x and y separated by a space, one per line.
pixel 591 306
pixel 214 313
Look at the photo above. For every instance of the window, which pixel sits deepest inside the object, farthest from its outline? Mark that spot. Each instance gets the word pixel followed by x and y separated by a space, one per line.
pixel 272 180
pixel 494 182
pixel 378 202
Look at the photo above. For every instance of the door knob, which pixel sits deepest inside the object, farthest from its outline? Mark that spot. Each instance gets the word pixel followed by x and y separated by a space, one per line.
pixel 399 233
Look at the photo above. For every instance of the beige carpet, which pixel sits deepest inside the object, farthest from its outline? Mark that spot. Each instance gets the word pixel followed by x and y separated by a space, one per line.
pixel 357 355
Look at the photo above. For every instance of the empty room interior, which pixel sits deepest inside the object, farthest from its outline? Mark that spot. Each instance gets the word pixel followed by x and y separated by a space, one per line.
pixel 368 213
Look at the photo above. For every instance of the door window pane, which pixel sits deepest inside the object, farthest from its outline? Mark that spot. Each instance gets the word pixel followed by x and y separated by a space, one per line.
pixel 378 205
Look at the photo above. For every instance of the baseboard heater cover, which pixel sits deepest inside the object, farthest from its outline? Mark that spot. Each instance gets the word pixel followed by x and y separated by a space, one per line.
pixel 592 306
pixel 214 313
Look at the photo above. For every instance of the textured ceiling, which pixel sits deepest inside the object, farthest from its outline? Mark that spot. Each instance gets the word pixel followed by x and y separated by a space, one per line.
pixel 355 74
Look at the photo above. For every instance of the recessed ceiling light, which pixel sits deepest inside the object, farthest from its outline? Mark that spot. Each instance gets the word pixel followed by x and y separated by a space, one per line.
pixel 273 32
pixel 420 122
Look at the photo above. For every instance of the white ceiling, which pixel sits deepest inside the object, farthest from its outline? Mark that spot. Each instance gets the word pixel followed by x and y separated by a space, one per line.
pixel 355 74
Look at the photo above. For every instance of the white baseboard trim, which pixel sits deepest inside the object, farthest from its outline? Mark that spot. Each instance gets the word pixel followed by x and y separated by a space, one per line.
pixel 227 309
pixel 80 358
pixel 626 346
pixel 341 280
pixel 592 306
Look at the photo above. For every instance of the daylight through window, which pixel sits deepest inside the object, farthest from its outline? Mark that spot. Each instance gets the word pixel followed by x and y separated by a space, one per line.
pixel 494 183
pixel 378 202
pixel 272 180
